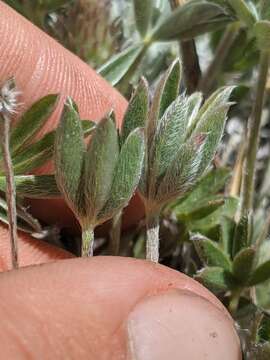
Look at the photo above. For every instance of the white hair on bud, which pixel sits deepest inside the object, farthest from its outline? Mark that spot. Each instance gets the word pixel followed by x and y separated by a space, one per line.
pixel 9 97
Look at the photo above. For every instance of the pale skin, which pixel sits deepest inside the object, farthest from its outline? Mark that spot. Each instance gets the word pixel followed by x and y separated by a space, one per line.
pixel 71 308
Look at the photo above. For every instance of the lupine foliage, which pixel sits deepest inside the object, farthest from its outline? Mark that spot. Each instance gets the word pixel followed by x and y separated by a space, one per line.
pixel 171 144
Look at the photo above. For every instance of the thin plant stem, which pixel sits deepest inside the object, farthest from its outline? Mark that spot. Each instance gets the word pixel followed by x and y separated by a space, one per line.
pixel 87 248
pixel 152 236
pixel 191 66
pixel 208 80
pixel 190 60
pixel 235 184
pixel 234 302
pixel 254 125
pixel 115 233
pixel 10 188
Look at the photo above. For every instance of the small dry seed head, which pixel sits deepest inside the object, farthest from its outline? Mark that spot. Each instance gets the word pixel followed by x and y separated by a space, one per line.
pixel 9 97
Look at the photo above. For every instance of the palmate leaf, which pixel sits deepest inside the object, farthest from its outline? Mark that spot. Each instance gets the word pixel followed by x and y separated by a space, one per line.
pixel 116 68
pixel 34 186
pixel 100 162
pixel 190 20
pixel 69 154
pixel 210 253
pixel 37 154
pixel 166 92
pixel 126 174
pixel 143 10
pixel 137 111
pixel 31 122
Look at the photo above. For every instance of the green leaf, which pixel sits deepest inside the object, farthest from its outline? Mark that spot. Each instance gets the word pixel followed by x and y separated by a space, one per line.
pixel 35 155
pixel 210 253
pixel 213 220
pixel 227 228
pixel 34 186
pixel 190 20
pixel 202 210
pixel 169 136
pixel 69 154
pixel 206 188
pixel 126 174
pixel 116 68
pixel 181 174
pixel 137 111
pixel 193 103
pixel 243 264
pixel 218 98
pixel 143 13
pixel 260 274
pixel 25 221
pixel 262 33
pixel 243 12
pixel 241 235
pixel 31 122
pixel 216 279
pixel 166 92
pixel 212 123
pixel 100 161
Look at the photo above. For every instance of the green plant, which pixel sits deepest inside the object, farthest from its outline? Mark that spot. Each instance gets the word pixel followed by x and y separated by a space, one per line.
pixel 97 181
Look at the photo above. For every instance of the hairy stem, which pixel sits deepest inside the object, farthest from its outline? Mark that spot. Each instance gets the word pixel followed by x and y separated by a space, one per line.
pixel 254 125
pixel 10 188
pixel 208 80
pixel 87 242
pixel 190 61
pixel 115 233
pixel 152 236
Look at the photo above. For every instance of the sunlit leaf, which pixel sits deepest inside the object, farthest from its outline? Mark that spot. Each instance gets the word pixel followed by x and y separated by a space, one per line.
pixel 31 122
pixel 137 111
pixel 190 20
pixel 210 252
pixel 115 69
pixel 126 174
pixel 34 186
pixel 69 154
pixel 35 155
pixel 100 162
